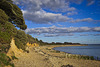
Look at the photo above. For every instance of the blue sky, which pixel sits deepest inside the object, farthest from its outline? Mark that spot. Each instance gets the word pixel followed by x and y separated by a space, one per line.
pixel 76 21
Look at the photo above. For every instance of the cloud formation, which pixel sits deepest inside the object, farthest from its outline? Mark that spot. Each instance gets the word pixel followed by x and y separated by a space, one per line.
pixel 33 10
pixel 84 34
pixel 90 2
pixel 89 34
pixel 61 31
pixel 42 17
pixel 71 13
pixel 58 34
pixel 96 34
pixel 82 20
pixel 54 5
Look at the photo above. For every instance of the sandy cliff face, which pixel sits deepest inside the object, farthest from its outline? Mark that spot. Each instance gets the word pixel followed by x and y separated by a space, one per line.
pixel 32 45
pixel 14 51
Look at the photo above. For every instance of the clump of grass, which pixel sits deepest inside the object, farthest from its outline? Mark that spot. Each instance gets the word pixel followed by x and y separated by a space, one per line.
pixel 13 57
pixel 52 51
pixel 57 51
pixel 5 60
pixel 82 57
pixel 48 49
pixel 92 58
pixel 26 51
pixel 67 65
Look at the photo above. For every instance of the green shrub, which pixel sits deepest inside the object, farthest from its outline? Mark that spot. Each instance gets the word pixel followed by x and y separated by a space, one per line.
pixel 5 60
pixel 4 48
pixel 57 51
pixel 21 39
pixel 13 57
pixel 31 39
pixel 7 29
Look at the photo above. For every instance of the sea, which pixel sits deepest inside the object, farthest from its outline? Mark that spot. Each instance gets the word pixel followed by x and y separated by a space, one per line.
pixel 90 50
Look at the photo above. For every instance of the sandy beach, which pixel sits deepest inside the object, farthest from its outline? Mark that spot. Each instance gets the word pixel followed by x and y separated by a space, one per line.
pixel 45 56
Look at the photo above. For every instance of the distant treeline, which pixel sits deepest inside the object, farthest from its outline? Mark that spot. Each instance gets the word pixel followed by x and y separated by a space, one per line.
pixel 57 43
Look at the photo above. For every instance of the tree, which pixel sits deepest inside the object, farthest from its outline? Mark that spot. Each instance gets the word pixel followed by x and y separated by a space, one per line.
pixel 7 29
pixel 14 13
pixel 41 41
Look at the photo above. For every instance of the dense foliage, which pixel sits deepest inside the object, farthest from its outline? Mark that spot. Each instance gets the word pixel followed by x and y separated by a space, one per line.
pixel 5 60
pixel 14 13
pixel 10 17
pixel 31 39
pixel 7 30
pixel 21 39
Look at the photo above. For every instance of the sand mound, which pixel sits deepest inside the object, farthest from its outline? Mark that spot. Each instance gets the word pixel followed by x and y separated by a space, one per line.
pixel 14 51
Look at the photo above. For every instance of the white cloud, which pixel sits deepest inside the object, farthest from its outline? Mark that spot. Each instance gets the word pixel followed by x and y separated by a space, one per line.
pixel 90 2
pixel 76 1
pixel 33 10
pixel 89 34
pixel 58 34
pixel 60 25
pixel 42 17
pixel 82 20
pixel 54 5
pixel 58 31
pixel 96 29
pixel 84 34
pixel 96 34
pixel 71 13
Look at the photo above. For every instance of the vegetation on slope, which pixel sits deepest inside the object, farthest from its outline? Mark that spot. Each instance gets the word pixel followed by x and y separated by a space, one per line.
pixel 21 39
pixel 7 30
pixel 5 60
pixel 10 17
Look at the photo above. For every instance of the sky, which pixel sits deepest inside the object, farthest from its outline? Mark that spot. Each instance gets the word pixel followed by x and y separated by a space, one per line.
pixel 76 21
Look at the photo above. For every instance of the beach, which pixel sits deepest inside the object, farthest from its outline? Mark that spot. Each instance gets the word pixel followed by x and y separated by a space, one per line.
pixel 45 56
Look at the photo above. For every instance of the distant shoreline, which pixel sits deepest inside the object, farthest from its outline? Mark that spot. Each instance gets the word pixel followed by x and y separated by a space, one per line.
pixel 67 46
pixel 68 53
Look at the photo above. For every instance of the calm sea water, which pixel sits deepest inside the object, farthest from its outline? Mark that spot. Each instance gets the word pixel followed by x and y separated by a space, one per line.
pixel 90 50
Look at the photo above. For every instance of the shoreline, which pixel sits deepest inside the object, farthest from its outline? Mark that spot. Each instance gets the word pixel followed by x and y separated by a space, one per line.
pixel 72 56
pixel 85 56
pixel 45 56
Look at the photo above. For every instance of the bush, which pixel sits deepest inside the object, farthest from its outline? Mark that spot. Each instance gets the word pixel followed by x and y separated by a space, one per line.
pixel 5 60
pixel 13 57
pixel 7 29
pixel 21 39
pixel 31 40
pixel 4 48
pixel 67 65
